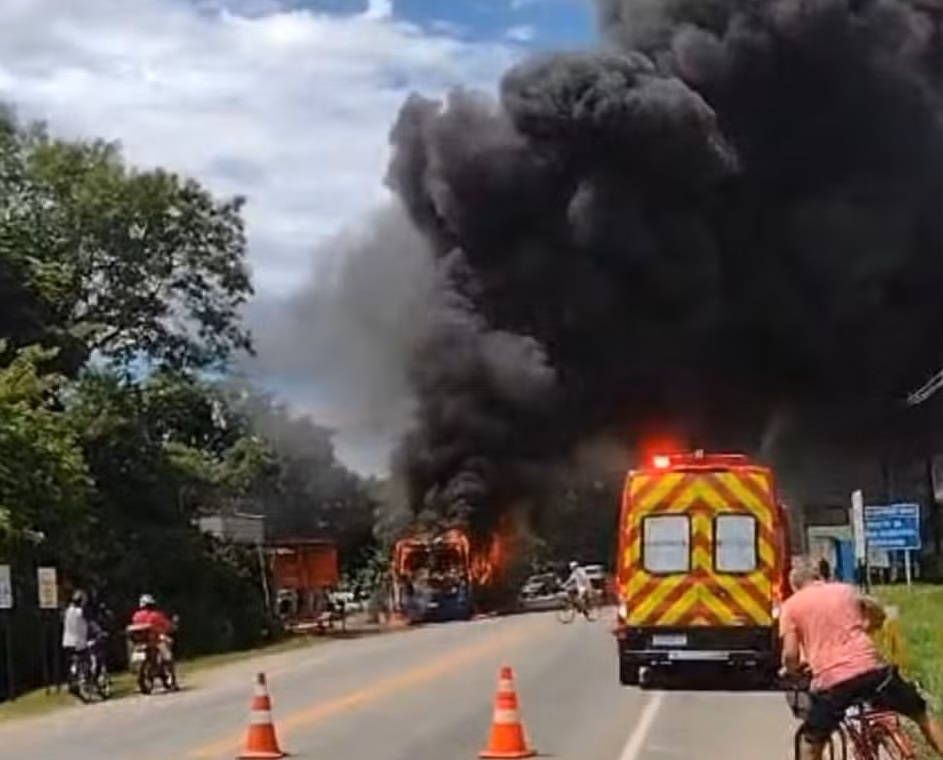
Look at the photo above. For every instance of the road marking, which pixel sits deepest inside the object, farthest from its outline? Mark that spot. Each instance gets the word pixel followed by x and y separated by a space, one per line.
pixel 379 690
pixel 633 747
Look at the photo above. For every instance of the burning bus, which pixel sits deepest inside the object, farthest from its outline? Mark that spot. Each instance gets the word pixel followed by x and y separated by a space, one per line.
pixel 442 576
pixel 432 578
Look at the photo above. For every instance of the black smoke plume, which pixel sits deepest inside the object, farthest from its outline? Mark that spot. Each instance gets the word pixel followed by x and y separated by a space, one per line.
pixel 729 212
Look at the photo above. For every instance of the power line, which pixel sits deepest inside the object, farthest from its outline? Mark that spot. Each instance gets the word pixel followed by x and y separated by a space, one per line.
pixel 926 390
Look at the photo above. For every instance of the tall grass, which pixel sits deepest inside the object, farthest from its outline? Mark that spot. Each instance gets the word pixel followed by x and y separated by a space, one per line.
pixel 921 638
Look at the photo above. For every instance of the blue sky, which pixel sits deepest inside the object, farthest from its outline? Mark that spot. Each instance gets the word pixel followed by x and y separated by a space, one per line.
pixel 288 103
pixel 553 23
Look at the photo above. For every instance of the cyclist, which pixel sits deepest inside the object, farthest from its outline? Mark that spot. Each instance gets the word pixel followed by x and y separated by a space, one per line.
pixel 579 581
pixel 829 624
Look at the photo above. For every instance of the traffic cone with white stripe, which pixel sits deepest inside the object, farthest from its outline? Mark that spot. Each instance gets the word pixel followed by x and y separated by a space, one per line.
pixel 261 742
pixel 508 739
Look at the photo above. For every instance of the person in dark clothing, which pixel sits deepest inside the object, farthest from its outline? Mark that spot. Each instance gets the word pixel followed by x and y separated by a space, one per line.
pixel 825 570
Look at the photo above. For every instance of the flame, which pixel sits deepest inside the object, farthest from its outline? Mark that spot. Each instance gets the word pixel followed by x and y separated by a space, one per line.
pixel 486 563
pixel 406 547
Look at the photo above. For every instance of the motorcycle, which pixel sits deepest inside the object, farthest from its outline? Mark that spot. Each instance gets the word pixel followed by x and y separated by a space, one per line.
pixel 151 658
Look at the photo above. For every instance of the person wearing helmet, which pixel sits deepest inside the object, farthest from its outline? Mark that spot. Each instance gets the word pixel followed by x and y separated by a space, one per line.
pixel 580 584
pixel 149 614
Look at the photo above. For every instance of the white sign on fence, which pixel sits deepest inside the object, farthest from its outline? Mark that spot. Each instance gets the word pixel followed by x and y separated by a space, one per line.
pixel 6 588
pixel 48 585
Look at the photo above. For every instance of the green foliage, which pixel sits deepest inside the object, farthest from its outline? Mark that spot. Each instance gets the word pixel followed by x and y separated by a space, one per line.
pixel 44 481
pixel 101 258
pixel 118 287
pixel 305 491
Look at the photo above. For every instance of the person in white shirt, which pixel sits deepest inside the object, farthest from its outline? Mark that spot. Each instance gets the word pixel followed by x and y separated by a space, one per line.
pixel 579 581
pixel 75 631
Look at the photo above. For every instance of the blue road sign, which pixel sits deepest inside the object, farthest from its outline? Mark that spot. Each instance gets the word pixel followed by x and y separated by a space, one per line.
pixel 895 527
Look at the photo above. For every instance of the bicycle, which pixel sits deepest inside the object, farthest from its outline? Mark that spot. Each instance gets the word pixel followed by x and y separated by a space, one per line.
pixel 572 607
pixel 101 676
pixel 88 675
pixel 869 733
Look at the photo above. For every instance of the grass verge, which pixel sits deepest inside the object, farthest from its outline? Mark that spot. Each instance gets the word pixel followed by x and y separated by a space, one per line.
pixel 39 702
pixel 921 634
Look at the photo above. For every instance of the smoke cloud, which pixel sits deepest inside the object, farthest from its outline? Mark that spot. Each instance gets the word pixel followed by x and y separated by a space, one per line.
pixel 340 346
pixel 726 217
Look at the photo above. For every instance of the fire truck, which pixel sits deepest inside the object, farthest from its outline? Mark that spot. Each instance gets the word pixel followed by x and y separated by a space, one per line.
pixel 702 565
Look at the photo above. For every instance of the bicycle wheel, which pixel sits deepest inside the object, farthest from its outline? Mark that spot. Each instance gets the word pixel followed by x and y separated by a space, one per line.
pixel 890 743
pixel 566 614
pixel 78 680
pixel 835 749
pixel 103 683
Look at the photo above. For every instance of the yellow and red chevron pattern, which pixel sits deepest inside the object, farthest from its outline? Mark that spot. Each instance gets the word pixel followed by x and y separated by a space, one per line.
pixel 702 596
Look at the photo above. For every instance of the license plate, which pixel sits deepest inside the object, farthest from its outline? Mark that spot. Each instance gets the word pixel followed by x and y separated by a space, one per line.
pixel 690 656
pixel 670 640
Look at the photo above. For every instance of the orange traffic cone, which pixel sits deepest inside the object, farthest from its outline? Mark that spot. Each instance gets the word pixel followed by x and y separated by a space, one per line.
pixel 261 742
pixel 507 732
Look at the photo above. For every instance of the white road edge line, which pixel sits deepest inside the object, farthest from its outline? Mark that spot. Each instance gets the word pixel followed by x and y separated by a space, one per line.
pixel 633 747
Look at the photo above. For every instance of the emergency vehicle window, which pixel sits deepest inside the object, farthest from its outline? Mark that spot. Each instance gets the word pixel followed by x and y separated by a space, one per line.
pixel 735 543
pixel 666 544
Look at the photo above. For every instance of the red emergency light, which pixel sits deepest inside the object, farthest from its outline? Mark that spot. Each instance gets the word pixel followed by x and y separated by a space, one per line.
pixel 697 459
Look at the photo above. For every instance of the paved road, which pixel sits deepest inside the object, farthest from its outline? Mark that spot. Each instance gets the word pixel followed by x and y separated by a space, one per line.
pixel 425 695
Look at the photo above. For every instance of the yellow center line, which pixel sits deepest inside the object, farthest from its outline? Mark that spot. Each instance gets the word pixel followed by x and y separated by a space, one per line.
pixel 387 687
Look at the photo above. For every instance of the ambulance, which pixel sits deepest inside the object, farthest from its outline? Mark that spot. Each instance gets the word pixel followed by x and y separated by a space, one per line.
pixel 702 566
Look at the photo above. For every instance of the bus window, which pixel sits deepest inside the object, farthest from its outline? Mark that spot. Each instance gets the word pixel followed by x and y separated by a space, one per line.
pixel 666 544
pixel 735 543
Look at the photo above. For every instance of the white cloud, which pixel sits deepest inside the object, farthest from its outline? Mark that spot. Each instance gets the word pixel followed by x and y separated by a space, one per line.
pixel 290 108
pixel 379 9
pixel 522 33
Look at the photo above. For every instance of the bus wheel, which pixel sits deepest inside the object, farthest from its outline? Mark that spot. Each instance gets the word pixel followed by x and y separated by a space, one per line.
pixel 628 673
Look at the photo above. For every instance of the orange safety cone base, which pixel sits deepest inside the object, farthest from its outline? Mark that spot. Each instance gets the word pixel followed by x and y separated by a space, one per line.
pixel 261 742
pixel 508 737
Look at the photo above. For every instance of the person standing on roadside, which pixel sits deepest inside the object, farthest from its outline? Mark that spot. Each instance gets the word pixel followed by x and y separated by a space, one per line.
pixel 74 633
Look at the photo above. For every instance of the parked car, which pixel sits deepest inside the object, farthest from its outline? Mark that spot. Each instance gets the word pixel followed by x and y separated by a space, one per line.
pixel 541 592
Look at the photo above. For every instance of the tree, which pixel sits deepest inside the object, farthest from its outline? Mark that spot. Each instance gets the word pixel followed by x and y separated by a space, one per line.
pixel 307 492
pixel 160 452
pixel 44 483
pixel 120 263
pixel 104 469
pixel 579 512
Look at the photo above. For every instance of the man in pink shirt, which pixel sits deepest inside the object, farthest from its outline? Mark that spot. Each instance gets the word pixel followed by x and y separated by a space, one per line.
pixel 825 626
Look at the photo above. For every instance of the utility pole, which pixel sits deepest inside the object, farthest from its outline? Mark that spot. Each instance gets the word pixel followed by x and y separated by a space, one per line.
pixel 918 397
